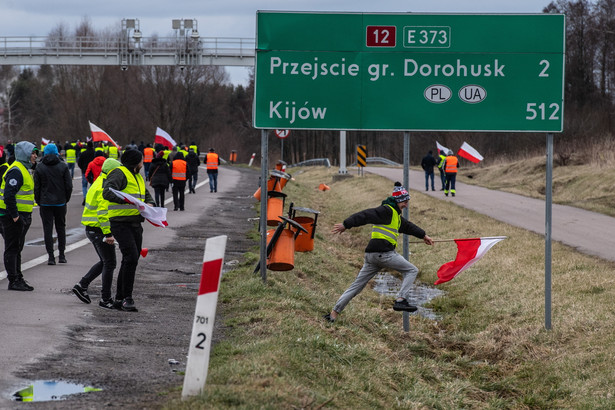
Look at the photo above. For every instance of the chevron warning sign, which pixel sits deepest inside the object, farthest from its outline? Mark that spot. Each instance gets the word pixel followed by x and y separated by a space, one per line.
pixel 361 155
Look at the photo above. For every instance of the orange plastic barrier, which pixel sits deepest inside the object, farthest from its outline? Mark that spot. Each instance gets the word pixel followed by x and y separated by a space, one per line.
pixel 282 255
pixel 323 187
pixel 305 241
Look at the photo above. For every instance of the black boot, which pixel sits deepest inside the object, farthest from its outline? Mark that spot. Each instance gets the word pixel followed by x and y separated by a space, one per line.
pixel 20 285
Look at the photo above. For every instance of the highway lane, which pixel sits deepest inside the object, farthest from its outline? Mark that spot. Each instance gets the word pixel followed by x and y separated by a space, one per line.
pixel 35 324
pixel 589 232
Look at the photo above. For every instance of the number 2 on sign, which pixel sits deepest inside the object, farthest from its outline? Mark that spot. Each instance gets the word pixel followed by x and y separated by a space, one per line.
pixel 203 338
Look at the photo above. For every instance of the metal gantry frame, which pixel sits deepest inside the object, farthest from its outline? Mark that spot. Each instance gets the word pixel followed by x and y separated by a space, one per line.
pixel 130 48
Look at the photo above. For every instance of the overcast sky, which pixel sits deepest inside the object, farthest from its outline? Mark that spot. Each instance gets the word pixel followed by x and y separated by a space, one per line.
pixel 216 18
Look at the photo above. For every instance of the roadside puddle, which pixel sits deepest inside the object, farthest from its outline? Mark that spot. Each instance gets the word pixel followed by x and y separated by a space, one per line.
pixel 45 390
pixel 388 285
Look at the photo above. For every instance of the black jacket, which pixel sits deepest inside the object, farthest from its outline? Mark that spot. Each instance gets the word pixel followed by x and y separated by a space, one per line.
pixel 53 184
pixel 428 163
pixel 382 215
pixel 85 158
pixel 159 173
pixel 192 163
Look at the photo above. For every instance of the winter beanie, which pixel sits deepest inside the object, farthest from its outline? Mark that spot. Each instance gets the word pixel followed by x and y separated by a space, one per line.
pixel 399 193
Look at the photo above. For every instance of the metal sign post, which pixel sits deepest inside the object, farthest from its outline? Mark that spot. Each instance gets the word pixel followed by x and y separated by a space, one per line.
pixel 548 225
pixel 405 213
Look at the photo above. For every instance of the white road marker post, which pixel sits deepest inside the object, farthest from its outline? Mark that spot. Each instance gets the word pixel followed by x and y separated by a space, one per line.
pixel 204 316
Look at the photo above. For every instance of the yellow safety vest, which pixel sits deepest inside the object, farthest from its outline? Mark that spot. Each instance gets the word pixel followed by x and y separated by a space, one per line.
pixel 71 156
pixel 194 148
pixel 113 152
pixel 95 212
pixel 389 232
pixel 25 196
pixel 135 188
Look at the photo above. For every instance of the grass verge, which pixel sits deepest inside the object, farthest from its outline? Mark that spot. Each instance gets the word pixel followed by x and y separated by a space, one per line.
pixel 489 350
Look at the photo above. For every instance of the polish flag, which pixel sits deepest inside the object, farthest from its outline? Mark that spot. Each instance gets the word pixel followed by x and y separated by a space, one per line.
pixel 442 148
pixel 162 137
pixel 45 141
pixel 469 251
pixel 99 135
pixel 469 153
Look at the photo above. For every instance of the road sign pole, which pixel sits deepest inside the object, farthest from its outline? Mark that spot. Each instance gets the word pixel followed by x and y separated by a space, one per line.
pixel 343 169
pixel 264 196
pixel 548 226
pixel 406 252
pixel 204 317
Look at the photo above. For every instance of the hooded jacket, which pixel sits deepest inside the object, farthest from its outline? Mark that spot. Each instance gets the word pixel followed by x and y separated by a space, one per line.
pixel 53 184
pixel 94 168
pixel 382 215
pixel 14 178
pixel 193 162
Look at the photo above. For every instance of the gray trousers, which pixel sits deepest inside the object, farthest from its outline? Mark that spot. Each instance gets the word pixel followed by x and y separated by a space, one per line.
pixel 373 263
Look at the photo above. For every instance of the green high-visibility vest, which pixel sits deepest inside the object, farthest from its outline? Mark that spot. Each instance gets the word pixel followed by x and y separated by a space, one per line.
pixel 25 196
pixel 389 232
pixel 96 210
pixel 135 188
pixel 113 152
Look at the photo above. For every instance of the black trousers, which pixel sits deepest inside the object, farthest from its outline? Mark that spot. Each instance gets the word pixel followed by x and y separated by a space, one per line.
pixel 106 264
pixel 159 195
pixel 178 194
pixel 129 236
pixel 14 239
pixel 51 215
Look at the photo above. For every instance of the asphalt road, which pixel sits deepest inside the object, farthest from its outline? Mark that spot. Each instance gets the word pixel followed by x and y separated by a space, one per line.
pixel 34 324
pixel 586 231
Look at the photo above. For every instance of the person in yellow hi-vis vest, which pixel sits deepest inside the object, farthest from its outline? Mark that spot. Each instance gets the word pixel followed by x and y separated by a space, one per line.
pixel 380 252
pixel 126 221
pixel 98 230
pixel 16 203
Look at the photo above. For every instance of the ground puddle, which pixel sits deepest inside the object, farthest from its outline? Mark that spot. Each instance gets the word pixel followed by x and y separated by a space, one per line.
pixel 45 390
pixel 388 285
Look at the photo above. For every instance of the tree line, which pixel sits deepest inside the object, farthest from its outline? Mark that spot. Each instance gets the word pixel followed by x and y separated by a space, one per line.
pixel 198 104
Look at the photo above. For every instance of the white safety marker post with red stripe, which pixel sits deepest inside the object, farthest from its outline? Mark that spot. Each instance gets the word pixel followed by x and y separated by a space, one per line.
pixel 251 159
pixel 204 316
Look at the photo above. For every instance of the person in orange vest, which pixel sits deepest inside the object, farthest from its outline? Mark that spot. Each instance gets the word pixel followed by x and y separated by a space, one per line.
pixel 451 163
pixel 212 161
pixel 148 156
pixel 178 172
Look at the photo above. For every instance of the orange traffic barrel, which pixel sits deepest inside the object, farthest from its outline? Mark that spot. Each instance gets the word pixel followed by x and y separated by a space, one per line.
pixel 281 177
pixel 275 207
pixel 280 166
pixel 282 256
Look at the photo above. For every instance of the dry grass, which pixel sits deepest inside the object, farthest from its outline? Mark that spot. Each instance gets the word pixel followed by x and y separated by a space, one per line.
pixel 489 350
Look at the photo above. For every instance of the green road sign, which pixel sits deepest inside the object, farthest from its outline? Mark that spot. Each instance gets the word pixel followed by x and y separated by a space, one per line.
pixel 432 72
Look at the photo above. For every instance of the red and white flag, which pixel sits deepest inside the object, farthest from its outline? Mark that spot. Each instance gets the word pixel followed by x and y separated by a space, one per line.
pixel 163 137
pixel 99 135
pixel 157 216
pixel 45 141
pixel 469 153
pixel 469 251
pixel 442 148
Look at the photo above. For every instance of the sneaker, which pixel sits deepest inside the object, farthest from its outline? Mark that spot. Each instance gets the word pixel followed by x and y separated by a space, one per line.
pixel 404 306
pixel 51 261
pixel 453 194
pixel 117 304
pixel 82 293
pixel 328 318
pixel 128 305
pixel 20 285
pixel 106 304
pixel 61 259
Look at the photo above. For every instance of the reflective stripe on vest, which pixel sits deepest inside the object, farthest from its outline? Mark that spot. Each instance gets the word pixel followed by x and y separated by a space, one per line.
pixel 389 232
pixel 451 165
pixel 148 154
pixel 212 160
pixel 25 196
pixel 135 187
pixel 95 212
pixel 71 156
pixel 179 170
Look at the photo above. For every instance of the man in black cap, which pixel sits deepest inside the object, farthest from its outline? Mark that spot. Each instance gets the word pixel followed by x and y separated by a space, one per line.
pixel 125 221
pixel 380 252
